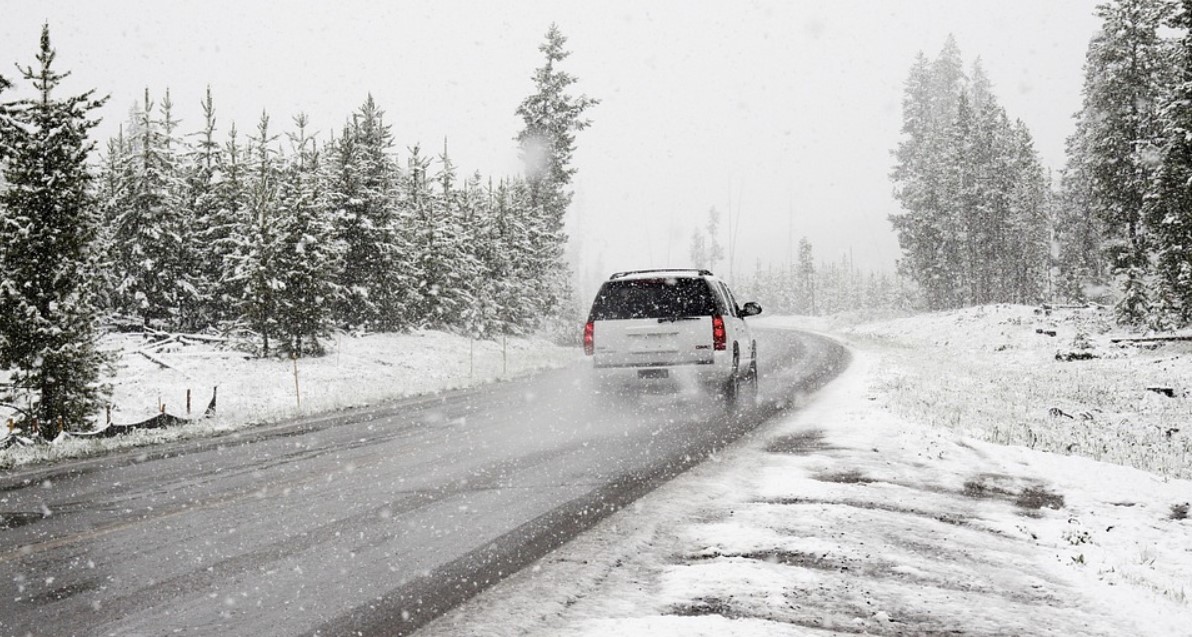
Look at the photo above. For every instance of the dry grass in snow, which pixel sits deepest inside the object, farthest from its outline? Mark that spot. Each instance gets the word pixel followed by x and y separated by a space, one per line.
pixel 1047 379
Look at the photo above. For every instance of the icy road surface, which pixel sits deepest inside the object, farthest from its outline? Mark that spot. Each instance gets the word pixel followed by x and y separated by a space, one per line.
pixel 372 521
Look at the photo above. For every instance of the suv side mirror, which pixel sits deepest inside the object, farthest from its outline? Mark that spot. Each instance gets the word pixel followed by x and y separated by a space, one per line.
pixel 751 309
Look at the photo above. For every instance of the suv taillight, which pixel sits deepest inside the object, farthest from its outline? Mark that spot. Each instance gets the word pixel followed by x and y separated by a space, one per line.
pixel 719 336
pixel 590 338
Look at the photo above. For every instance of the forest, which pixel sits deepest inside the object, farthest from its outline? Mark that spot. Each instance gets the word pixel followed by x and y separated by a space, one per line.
pixel 982 222
pixel 274 236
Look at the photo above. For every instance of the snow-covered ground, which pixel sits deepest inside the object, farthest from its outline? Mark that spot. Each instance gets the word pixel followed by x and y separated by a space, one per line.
pixel 357 371
pixel 869 512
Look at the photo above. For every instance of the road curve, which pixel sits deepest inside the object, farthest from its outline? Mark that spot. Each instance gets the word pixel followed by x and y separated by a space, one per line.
pixel 369 522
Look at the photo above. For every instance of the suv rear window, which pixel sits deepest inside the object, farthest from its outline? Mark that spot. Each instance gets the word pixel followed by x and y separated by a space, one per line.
pixel 653 298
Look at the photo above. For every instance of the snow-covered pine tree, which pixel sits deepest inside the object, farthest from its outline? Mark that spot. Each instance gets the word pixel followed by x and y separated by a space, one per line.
pixel 1169 211
pixel 182 265
pixel 307 256
pixel 805 280
pixel 927 225
pixel 49 223
pixel 213 225
pixel 1079 232
pixel 362 189
pixel 448 266
pixel 224 232
pixel 960 202
pixel 551 117
pixel 479 235
pixel 1026 259
pixel 519 296
pixel 149 227
pixel 1124 78
pixel 974 226
pixel 115 179
pixel 256 255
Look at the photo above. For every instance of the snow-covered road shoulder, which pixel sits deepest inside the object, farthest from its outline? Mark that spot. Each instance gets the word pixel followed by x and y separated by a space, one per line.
pixel 847 518
pixel 357 371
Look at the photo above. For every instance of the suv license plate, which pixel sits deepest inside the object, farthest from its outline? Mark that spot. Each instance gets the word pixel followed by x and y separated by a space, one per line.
pixel 653 373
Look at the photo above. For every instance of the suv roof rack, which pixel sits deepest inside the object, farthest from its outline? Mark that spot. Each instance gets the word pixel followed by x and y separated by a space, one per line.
pixel 698 271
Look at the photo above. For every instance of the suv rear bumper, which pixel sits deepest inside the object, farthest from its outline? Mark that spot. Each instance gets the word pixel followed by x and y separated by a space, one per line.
pixel 598 365
pixel 708 373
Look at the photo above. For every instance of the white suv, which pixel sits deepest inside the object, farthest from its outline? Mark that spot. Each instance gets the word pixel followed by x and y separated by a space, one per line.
pixel 672 326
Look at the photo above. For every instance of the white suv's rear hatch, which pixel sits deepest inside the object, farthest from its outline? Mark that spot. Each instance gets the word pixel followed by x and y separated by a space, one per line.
pixel 653 322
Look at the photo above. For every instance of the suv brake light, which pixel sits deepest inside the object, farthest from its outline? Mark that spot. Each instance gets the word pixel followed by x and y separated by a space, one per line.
pixel 590 338
pixel 719 336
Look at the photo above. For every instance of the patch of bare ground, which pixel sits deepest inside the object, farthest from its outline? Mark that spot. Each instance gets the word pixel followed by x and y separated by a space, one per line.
pixel 1030 498
pixel 800 443
pixel 851 476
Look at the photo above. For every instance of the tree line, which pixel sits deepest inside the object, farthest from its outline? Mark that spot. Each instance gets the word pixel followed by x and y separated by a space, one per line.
pixel 975 220
pixel 276 234
pixel 806 288
pixel 1124 225
pixel 981 222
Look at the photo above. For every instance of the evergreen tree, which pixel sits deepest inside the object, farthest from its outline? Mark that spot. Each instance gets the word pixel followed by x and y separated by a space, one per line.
pixel 223 231
pixel 479 235
pixel 307 256
pixel 805 280
pixel 450 280
pixel 150 227
pixel 927 225
pixel 258 266
pixel 212 224
pixel 516 297
pixel 362 192
pixel 975 222
pixel 1026 263
pixel 48 257
pixel 1124 79
pixel 112 192
pixel 551 117
pixel 1081 259
pixel 1170 210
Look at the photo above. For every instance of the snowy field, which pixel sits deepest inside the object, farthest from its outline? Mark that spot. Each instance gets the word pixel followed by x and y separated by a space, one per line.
pixel 357 371
pixel 1052 380
pixel 869 512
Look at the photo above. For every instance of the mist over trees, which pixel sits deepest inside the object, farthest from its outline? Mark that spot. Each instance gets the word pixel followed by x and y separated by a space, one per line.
pixel 277 236
pixel 975 220
pixel 830 287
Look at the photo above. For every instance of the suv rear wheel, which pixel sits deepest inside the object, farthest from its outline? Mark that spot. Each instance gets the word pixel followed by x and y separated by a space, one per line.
pixel 731 392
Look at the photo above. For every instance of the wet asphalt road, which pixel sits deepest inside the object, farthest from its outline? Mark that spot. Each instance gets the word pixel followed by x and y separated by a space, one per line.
pixel 368 522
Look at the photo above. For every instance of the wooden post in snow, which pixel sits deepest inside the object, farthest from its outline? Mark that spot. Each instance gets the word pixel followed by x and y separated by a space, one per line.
pixel 297 394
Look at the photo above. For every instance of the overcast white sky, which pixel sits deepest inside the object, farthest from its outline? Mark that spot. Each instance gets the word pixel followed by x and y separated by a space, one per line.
pixel 783 112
